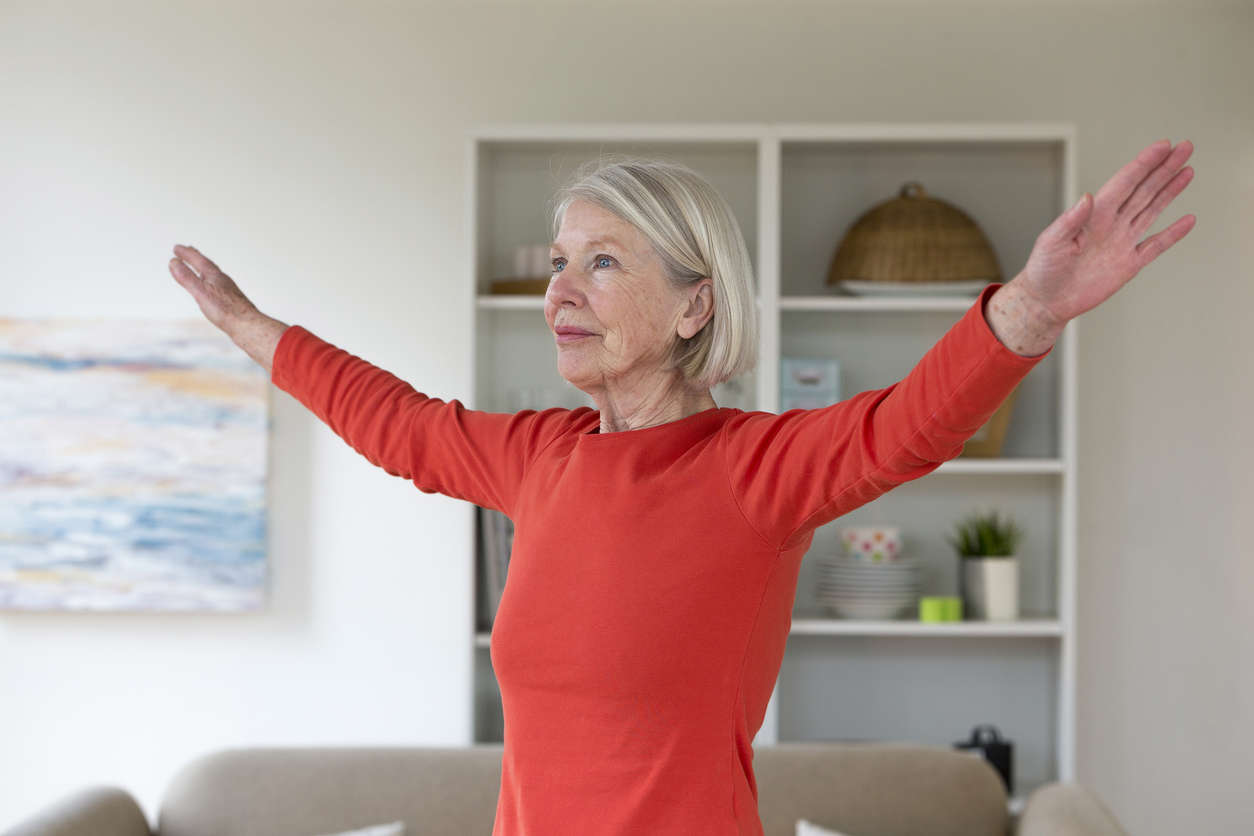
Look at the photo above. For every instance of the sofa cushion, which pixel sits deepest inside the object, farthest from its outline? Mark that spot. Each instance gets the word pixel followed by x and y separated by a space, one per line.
pixel 91 811
pixel 879 789
pixel 298 791
pixel 396 828
pixel 809 828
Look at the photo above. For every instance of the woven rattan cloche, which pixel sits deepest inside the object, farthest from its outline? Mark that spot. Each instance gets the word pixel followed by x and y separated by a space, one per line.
pixel 914 238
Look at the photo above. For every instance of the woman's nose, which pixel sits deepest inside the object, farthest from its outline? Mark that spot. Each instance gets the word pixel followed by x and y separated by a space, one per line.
pixel 564 287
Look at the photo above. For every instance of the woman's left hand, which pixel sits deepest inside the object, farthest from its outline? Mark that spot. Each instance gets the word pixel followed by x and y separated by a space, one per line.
pixel 1091 250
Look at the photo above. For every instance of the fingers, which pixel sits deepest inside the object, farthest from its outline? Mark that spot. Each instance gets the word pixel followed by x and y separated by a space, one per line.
pixel 182 273
pixel 1166 194
pixel 1154 246
pixel 1151 185
pixel 193 257
pixel 1117 189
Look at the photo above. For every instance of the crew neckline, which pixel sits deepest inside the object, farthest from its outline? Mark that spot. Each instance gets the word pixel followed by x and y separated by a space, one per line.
pixel 595 435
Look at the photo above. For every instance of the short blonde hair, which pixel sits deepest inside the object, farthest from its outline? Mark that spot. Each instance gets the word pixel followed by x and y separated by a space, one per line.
pixel 694 233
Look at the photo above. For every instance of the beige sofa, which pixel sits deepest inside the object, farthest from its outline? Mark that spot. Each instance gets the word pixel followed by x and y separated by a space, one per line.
pixel 861 789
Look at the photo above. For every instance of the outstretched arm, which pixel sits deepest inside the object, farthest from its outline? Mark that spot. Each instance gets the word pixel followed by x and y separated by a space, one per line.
pixel 439 445
pixel 792 472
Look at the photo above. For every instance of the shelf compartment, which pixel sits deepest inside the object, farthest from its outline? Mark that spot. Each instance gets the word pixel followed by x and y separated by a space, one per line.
pixel 927 509
pixel 1011 188
pixel 929 690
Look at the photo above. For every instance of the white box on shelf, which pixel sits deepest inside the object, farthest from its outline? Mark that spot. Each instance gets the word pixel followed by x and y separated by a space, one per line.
pixel 808 382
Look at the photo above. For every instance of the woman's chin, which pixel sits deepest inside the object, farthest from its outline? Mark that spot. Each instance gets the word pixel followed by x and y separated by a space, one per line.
pixel 577 383
pixel 576 377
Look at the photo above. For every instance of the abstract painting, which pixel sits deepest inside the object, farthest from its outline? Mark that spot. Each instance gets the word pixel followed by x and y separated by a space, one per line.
pixel 133 458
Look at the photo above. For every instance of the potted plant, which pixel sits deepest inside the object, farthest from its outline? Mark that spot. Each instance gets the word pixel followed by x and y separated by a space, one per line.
pixel 990 571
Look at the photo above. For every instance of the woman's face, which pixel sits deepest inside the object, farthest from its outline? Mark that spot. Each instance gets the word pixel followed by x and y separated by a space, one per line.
pixel 607 280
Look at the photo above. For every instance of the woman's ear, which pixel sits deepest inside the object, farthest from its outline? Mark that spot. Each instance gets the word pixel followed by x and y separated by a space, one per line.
pixel 700 308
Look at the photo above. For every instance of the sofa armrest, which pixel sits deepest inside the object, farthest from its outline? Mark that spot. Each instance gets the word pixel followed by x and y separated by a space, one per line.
pixel 1066 809
pixel 96 811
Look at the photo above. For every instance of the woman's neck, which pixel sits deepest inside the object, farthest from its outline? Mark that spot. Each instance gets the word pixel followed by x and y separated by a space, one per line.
pixel 627 410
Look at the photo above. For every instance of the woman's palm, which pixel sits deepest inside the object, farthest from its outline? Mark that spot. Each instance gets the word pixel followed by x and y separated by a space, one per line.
pixel 1093 249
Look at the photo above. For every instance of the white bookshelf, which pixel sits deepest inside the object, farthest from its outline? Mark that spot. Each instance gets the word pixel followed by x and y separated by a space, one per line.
pixel 795 189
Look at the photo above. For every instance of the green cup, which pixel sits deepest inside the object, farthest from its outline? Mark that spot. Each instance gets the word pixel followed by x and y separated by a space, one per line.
pixel 939 608
pixel 932 608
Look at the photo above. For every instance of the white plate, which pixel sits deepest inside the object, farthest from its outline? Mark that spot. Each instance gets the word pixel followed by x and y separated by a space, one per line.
pixel 864 595
pixel 860 596
pixel 870 574
pixel 870 612
pixel 882 606
pixel 866 599
pixel 874 564
pixel 873 583
pixel 911 583
pixel 864 288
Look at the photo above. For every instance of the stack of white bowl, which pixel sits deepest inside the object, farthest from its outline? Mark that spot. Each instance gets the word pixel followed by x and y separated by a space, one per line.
pixel 860 589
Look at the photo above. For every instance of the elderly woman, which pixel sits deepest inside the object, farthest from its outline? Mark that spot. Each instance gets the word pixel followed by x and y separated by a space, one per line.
pixel 659 536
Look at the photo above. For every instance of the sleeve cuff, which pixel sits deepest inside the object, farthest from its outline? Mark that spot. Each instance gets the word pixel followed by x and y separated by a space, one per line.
pixel 281 363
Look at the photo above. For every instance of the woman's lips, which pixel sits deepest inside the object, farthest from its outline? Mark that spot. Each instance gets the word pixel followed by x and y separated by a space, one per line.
pixel 565 338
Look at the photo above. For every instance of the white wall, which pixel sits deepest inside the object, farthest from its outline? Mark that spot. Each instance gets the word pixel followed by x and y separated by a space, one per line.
pixel 315 151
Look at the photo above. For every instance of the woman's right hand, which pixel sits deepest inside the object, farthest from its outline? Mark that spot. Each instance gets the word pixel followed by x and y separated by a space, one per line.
pixel 219 298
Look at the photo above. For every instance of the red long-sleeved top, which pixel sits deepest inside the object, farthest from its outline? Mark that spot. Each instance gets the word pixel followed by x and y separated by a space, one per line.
pixel 653 572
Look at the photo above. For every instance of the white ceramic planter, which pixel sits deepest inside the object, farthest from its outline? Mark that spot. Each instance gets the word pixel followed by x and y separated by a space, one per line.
pixel 992 587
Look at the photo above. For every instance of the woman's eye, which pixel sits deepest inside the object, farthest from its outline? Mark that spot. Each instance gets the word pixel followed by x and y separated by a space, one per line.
pixel 557 262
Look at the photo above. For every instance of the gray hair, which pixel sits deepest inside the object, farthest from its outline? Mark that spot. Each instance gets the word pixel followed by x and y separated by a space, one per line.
pixel 695 235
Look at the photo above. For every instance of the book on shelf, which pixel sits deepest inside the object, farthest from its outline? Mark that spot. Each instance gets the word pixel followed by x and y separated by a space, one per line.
pixel 496 539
